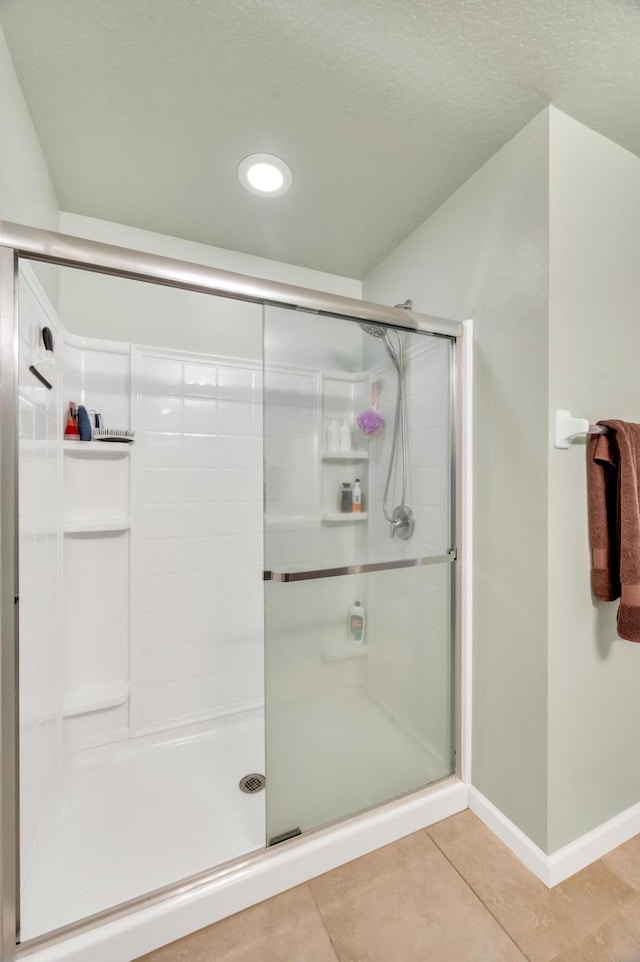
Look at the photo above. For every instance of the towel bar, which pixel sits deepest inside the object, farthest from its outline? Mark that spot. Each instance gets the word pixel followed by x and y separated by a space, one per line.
pixel 568 429
pixel 284 577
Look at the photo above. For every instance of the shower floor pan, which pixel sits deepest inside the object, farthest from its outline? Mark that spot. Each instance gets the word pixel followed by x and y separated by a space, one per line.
pixel 135 816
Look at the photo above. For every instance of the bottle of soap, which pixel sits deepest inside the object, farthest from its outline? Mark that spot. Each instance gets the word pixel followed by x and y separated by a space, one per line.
pixel 345 436
pixel 356 624
pixel 333 436
pixel 356 497
pixel 345 497
pixel 71 432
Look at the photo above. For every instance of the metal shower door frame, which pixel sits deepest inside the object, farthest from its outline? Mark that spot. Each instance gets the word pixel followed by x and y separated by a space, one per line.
pixel 19 242
pixel 9 772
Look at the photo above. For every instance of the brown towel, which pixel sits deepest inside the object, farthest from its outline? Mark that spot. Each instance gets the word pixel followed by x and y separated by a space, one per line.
pixel 613 483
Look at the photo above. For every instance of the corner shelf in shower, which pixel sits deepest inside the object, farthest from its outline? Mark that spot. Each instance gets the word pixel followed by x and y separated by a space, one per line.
pixel 96 525
pixel 96 698
pixel 289 522
pixel 337 517
pixel 96 449
pixel 345 455
pixel 340 650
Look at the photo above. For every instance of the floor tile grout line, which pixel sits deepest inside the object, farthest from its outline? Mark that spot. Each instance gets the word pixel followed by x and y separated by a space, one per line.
pixel 324 924
pixel 584 935
pixel 479 897
pixel 621 878
pixel 587 935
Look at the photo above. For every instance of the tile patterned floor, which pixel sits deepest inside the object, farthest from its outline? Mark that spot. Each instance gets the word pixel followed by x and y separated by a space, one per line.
pixel 450 893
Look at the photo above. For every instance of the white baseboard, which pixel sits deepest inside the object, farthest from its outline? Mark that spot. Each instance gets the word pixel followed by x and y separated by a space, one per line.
pixel 520 844
pixel 566 861
pixel 593 845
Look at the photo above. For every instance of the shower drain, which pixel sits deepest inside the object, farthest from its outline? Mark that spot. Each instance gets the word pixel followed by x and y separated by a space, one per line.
pixel 252 783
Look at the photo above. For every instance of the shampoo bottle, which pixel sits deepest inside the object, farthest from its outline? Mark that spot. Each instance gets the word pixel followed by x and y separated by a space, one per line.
pixel 333 435
pixel 345 436
pixel 356 624
pixel 71 432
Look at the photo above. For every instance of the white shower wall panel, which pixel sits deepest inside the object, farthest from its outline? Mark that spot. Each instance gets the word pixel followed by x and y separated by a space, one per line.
pixel 96 584
pixel 291 431
pixel 98 375
pixel 39 552
pixel 96 633
pixel 409 668
pixel 197 607
pixel 301 486
pixel 427 402
pixel 95 487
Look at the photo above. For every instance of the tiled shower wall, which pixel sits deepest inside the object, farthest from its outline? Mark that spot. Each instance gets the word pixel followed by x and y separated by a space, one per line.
pixel 409 621
pixel 427 392
pixel 291 428
pixel 307 649
pixel 195 648
pixel 40 536
pixel 197 608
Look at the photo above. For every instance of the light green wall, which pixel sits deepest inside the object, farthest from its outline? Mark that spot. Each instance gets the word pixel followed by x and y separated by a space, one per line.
pixel 484 254
pixel 594 351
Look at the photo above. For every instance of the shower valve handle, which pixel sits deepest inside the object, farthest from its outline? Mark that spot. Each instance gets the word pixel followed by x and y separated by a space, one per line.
pixel 402 522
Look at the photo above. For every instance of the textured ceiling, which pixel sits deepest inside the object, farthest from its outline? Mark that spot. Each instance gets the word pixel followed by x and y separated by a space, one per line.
pixel 382 108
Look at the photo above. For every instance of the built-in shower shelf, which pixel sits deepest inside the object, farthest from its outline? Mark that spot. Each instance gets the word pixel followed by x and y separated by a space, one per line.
pixel 287 522
pixel 96 449
pixel 345 455
pixel 337 517
pixel 338 650
pixel 96 525
pixel 94 698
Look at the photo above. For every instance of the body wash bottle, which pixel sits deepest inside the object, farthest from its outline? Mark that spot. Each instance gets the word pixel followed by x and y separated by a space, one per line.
pixel 333 435
pixel 356 624
pixel 345 436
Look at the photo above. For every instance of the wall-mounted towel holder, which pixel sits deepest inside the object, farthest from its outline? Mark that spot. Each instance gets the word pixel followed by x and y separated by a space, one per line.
pixel 569 429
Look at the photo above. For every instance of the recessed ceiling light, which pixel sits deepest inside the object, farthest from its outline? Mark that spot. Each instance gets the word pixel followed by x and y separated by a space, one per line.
pixel 265 174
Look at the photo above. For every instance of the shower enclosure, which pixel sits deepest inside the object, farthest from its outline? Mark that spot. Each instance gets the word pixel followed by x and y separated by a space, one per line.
pixel 218 648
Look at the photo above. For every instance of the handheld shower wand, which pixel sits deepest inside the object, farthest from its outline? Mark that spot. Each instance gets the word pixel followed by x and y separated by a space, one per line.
pixel 401 518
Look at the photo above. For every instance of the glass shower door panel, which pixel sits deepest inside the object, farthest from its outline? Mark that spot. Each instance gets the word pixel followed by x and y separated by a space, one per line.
pixel 358 639
pixel 351 725
pixel 141 596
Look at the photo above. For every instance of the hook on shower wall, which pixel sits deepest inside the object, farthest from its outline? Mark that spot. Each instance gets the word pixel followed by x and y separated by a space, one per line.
pixel 44 368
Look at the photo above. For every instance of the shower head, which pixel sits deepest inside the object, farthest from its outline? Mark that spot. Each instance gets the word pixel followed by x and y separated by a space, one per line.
pixel 374 330
pixel 379 330
pixel 382 334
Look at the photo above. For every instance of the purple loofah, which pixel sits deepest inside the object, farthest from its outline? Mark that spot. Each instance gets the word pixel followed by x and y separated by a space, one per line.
pixel 370 422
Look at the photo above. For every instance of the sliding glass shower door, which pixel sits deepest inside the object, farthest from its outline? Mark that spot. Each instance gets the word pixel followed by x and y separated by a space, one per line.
pixel 358 566
pixel 148 567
